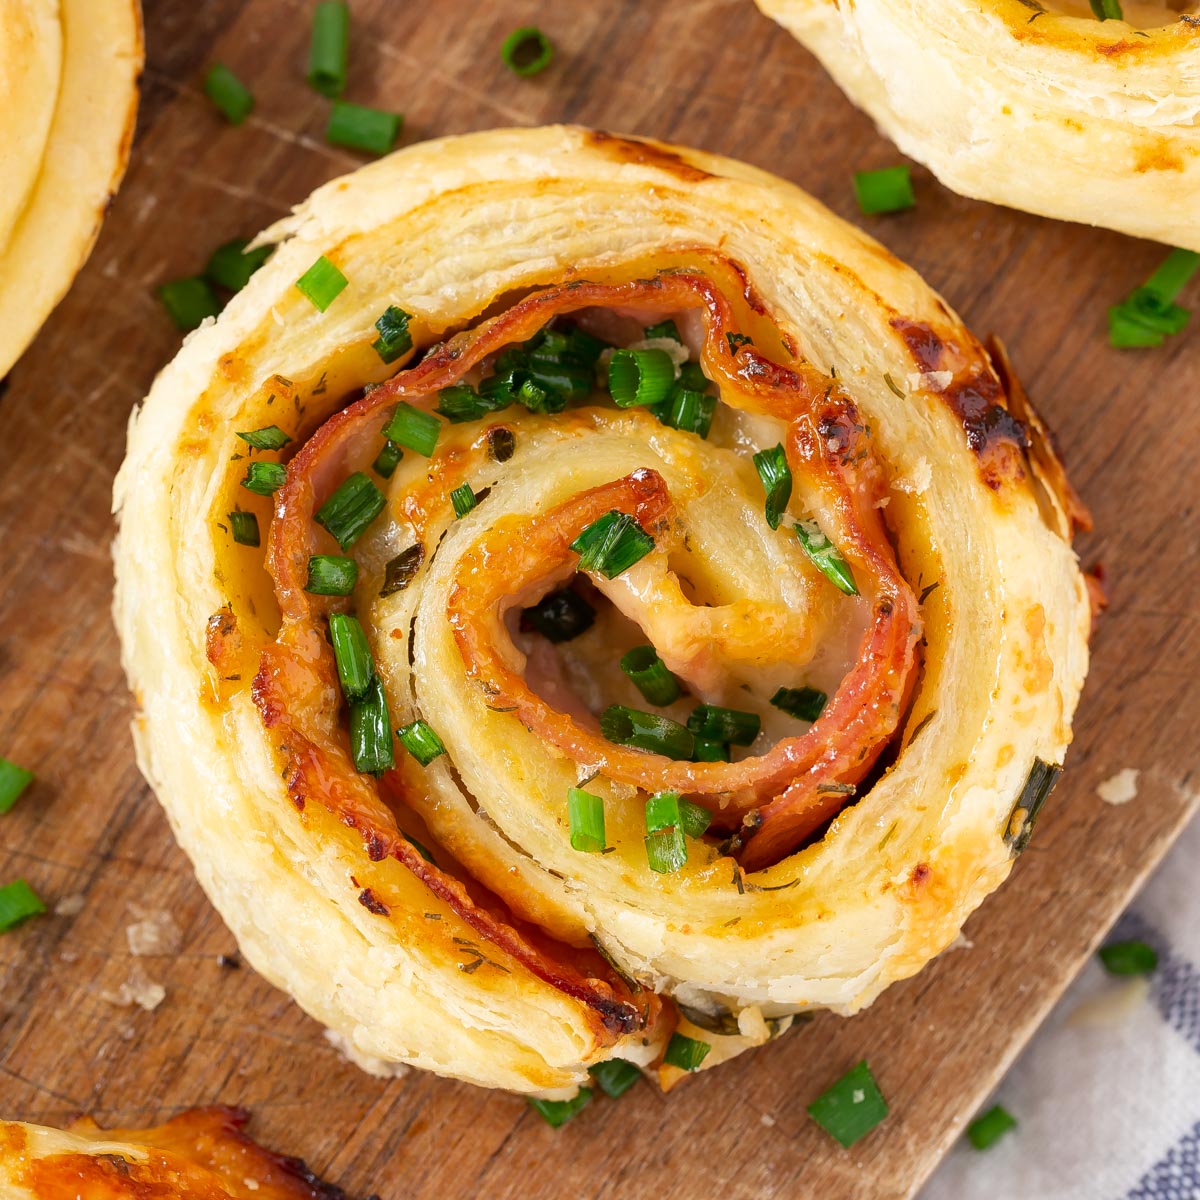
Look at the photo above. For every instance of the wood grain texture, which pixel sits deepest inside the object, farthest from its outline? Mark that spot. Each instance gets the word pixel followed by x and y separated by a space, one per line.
pixel 717 75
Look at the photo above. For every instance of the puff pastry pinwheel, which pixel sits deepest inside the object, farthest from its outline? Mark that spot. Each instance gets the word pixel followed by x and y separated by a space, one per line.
pixel 723 605
pixel 68 100
pixel 1039 106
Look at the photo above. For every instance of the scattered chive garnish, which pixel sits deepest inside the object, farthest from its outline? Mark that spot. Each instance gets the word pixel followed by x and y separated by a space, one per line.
pixel 650 675
pixel 394 338
pixel 463 498
pixel 322 283
pixel 851 1108
pixel 560 616
pixel 715 724
pixel 387 460
pixel 735 341
pixel 264 478
pixel 692 376
pixel 18 901
pixel 360 128
pixel 776 476
pixel 666 850
pixel 244 526
pixel 371 731
pixel 709 751
pixel 189 302
pixel 696 819
pixel 988 1128
pixel 329 575
pixel 329 49
pixel 229 94
pixel 402 569
pixel 664 329
pixel 825 557
pixel 585 812
pixel 352 653
pixel 688 410
pixel 348 512
pixel 231 264
pixel 1107 10
pixel 270 437
pixel 640 377
pixel 1129 958
pixel 615 1077
pixel 13 781
pixel 804 703
pixel 558 1112
pixel 414 429
pixel 886 191
pixel 501 444
pixel 1149 314
pixel 460 402
pixel 526 51
pixel 612 544
pixel 686 1053
pixel 421 742
pixel 662 812
pixel 646 731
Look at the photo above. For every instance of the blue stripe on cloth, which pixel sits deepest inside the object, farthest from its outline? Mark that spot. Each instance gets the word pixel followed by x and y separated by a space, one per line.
pixel 1176 1176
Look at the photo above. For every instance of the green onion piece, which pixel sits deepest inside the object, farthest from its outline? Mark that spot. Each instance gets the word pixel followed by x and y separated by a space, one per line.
pixel 329 575
pixel 825 557
pixel 724 724
pixel 650 675
pixel 1173 275
pixel 360 128
pixel 322 283
pixel 639 377
pixel 189 302
pixel 387 460
pixel 13 781
pixel 413 428
pixel 666 850
pixel 776 476
pixel 18 901
pixel 229 94
pixel 264 478
pixel 736 341
pixel 988 1128
pixel 615 1077
pixel 692 376
pixel 689 410
pixel 664 329
pixel 1127 330
pixel 348 512
pixel 1107 9
pixel 583 348
pixel 394 338
pixel 695 818
pixel 804 703
pixel 646 731
pixel 270 437
pixel 612 544
pixel 463 499
pixel 244 526
pixel 371 731
pixel 352 653
pixel 402 569
pixel 421 742
pixel 459 403
pixel 231 264
pixel 558 1112
pixel 686 1053
pixel 1129 958
pixel 585 813
pixel 709 751
pixel 1148 315
pixel 662 812
pixel 560 617
pixel 886 191
pixel 526 51
pixel 501 443
pixel 851 1108
pixel 329 48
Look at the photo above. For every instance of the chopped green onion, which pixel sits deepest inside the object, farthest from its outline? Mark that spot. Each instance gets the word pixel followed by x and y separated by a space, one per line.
pixel 1148 315
pixel 696 818
pixel 804 703
pixel 662 812
pixel 270 437
pixel 329 575
pixel 689 410
pixel 664 329
pixel 394 338
pixel 646 731
pixel 360 128
pixel 851 1108
pixel 330 47
pixel 886 191
pixel 189 302
pixel 264 478
pixel 692 376
pixel 986 1130
pixel 501 444
pixel 229 94
pixel 708 751
pixel 584 348
pixel 348 512
pixel 1129 958
pixel 585 813
pixel 371 731
pixel 736 341
pixel 558 1112
pixel 352 654
pixel 413 428
pixel 322 283
pixel 244 526
pixel 724 724
pixel 776 476
pixel 421 742
pixel 666 850
pixel 650 675
pixel 686 1053
pixel 1173 274
pixel 18 901
pixel 825 557
pixel 1107 9
pixel 640 377
pixel 402 569
pixel 526 51
pixel 615 1077
pixel 463 499
pixel 612 544
pixel 387 460
pixel 13 781
pixel 560 616
pixel 231 264
pixel 459 403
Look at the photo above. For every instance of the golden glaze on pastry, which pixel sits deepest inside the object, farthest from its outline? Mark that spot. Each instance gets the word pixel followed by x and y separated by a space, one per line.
pixel 1035 105
pixel 439 916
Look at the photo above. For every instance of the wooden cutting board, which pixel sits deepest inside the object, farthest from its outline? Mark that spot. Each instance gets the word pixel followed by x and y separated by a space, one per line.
pixel 720 76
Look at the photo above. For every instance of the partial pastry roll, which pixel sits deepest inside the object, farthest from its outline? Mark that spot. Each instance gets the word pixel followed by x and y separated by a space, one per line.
pixel 585 601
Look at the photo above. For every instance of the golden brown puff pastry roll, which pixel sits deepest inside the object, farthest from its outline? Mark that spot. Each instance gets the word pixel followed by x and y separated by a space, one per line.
pixel 68 100
pixel 723 602
pixel 1038 106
